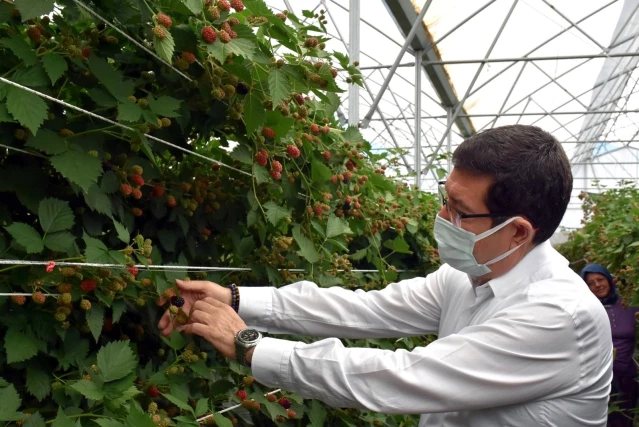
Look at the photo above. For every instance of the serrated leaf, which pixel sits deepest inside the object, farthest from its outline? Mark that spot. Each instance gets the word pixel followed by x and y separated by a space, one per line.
pixel 137 418
pixel 107 422
pixel 260 173
pixel 102 97
pixel 55 215
pixel 32 77
pixel 400 246
pixel 119 307
pixel 178 402
pixel 194 6
pixel 26 236
pixel 28 109
pixel 30 9
pixel 95 320
pixel 5 117
pixel 318 414
pixel 336 227
pixel 123 233
pixel 175 341
pixel 164 47
pixel 129 112
pixel 48 142
pixel 112 79
pixel 10 404
pixel 35 420
pixel 78 167
pixel 360 254
pixel 21 49
pixel 98 201
pixel 319 171
pixel 61 241
pixel 307 248
pixel 62 420
pixel 6 12
pixel 95 250
pixel 254 113
pixel 110 183
pixel 88 389
pixel 116 360
pixel 54 65
pixel 242 154
pixel 279 85
pixel 38 382
pixel 127 395
pixel 165 106
pixel 202 407
pixel 221 420
pixel 275 213
pixel 19 346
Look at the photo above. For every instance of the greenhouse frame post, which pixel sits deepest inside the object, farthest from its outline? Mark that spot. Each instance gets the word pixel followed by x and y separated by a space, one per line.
pixel 418 119
pixel 353 53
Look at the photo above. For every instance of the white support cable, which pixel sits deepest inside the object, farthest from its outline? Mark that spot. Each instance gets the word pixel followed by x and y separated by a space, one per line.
pixel 206 417
pixel 23 151
pixel 131 39
pixel 23 294
pixel 97 116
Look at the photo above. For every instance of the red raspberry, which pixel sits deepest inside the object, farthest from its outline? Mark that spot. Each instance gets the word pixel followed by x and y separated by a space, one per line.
pixel 38 297
pixel 125 189
pixel 137 180
pixel 19 299
pixel 350 165
pixel 88 285
pixel 291 414
pixel 206 232
pixel 327 155
pixel 136 211
pixel 268 133
pixel 333 72
pixel 311 42
pixel 271 397
pixel 315 128
pixel 188 57
pixel 208 34
pixel 241 394
pixel 233 22
pixel 285 403
pixel 158 190
pixel 224 36
pixel 237 5
pixel 299 98
pixel 153 392
pixel 261 158
pixel 158 31
pixel 348 175
pixel 171 202
pixel 325 129
pixel 208 3
pixel 34 34
pixel 136 194
pixel 276 166
pixel 334 179
pixel 226 27
pixel 86 52
pixel 164 20
pixel 293 151
pixel 133 270
pixel 318 210
pixel 275 174
pixel 224 5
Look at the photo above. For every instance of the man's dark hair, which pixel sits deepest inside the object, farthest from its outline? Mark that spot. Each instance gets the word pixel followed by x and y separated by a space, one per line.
pixel 530 170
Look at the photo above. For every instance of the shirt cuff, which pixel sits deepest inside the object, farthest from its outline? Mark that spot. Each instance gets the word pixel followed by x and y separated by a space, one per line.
pixel 256 305
pixel 270 363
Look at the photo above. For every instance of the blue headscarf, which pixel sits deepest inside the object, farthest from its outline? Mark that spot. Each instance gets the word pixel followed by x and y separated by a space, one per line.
pixel 612 297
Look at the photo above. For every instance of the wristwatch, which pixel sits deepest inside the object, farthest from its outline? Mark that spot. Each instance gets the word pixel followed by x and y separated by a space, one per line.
pixel 245 340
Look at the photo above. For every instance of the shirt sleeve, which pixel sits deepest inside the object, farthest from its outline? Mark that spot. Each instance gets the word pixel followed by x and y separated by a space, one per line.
pixel 409 307
pixel 526 353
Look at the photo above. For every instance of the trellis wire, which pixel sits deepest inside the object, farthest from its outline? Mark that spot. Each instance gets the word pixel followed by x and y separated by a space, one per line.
pixel 23 294
pixel 97 116
pixel 206 417
pixel 23 151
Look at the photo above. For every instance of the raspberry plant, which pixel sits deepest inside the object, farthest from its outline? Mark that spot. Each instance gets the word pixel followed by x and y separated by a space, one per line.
pixel 246 88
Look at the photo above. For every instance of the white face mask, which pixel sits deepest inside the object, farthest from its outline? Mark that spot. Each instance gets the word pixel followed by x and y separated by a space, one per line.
pixel 456 246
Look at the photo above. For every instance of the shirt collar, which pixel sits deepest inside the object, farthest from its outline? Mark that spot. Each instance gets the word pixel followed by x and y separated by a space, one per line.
pixel 529 265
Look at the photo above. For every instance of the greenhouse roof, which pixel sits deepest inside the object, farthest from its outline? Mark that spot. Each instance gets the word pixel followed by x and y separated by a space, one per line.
pixel 568 67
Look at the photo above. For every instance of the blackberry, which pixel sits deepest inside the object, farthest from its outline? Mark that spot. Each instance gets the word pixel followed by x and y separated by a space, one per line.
pixel 177 301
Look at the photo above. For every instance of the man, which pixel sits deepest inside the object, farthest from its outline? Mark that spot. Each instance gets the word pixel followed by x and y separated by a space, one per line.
pixel 521 341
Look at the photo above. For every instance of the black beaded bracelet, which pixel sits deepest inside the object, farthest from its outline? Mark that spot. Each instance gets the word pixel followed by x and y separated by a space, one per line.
pixel 235 297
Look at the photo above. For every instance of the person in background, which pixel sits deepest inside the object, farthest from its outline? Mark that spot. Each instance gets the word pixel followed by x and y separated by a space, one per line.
pixel 623 328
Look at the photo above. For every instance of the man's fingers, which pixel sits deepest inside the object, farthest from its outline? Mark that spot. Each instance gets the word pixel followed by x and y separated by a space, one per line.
pixel 208 305
pixel 165 320
pixel 194 285
pixel 214 302
pixel 200 316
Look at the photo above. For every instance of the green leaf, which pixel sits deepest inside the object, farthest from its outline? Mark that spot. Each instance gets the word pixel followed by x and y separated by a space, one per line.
pixel 336 227
pixel 129 112
pixel 307 248
pixel 110 78
pixel 108 422
pixel 137 418
pixel 95 251
pixel 260 173
pixel 6 12
pixel 279 85
pixel 38 381
pixel 102 97
pixel 240 47
pixel 400 246
pixel 126 395
pixel 78 167
pixel 221 420
pixel 32 77
pixel 318 414
pixel 55 215
pixel 110 183
pixel 116 360
pixel 89 389
pixel 19 346
pixel 242 154
pixel 123 233
pixel 21 49
pixel 194 6
pixel 119 307
pixel 98 201
pixel 164 47
pixel 95 320
pixel 254 113
pixel 202 407
pixel 10 404
pixel 48 142
pixel 60 242
pixel 30 9
pixel 35 420
pixel 5 117
pixel 28 109
pixel 178 402
pixel 360 254
pixel 175 341
pixel 165 106
pixel 319 171
pixel 26 236
pixel 54 65
pixel 275 213
pixel 62 420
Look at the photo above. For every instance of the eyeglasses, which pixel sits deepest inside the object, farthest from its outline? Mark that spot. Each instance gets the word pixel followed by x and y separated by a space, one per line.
pixel 455 215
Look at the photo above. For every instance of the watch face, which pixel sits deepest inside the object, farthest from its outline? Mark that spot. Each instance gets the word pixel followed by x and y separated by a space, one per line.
pixel 248 335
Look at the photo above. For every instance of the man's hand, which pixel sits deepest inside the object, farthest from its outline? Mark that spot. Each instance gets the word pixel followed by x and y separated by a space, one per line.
pixel 193 291
pixel 217 323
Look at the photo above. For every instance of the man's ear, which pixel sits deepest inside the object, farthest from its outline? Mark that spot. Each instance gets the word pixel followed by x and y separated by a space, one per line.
pixel 524 231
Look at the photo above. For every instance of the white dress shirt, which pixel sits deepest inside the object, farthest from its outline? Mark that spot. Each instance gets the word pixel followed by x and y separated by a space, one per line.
pixel 530 348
